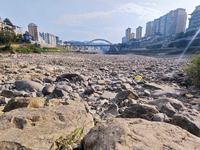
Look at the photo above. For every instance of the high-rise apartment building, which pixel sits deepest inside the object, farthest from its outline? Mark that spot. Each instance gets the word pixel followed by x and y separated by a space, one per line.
pixel 132 35
pixel 57 40
pixel 194 20
pixel 50 39
pixel 181 18
pixel 169 21
pixel 162 24
pixel 128 34
pixel 123 39
pixel 41 35
pixel 175 22
pixel 33 31
pixel 156 25
pixel 149 28
pixel 139 32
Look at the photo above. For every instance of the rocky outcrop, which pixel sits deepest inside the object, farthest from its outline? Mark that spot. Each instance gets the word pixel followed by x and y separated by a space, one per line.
pixel 39 128
pixel 125 134
pixel 188 119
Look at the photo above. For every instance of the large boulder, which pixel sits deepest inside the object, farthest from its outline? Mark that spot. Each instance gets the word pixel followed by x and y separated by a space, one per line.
pixel 28 85
pixel 140 111
pixel 121 96
pixel 66 88
pixel 39 128
pixel 70 76
pixel 47 90
pixel 6 93
pixel 113 109
pixel 168 106
pixel 29 102
pixel 50 79
pixel 58 92
pixel 188 119
pixel 128 134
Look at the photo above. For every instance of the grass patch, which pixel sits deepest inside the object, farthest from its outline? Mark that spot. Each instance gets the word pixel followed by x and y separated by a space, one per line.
pixel 192 69
pixel 31 48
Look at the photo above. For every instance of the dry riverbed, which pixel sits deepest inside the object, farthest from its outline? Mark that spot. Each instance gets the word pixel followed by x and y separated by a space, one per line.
pixel 46 97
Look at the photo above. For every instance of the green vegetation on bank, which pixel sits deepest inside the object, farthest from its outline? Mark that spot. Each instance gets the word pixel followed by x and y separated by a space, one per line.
pixel 193 70
pixel 29 48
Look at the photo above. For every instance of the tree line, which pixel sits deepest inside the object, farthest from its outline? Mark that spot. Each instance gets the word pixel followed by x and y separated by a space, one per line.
pixel 8 36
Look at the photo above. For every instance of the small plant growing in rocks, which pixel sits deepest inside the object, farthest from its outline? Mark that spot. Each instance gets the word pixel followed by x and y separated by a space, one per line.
pixel 193 70
pixel 68 142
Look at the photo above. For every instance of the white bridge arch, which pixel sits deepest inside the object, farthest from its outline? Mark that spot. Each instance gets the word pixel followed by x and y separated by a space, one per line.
pixel 103 41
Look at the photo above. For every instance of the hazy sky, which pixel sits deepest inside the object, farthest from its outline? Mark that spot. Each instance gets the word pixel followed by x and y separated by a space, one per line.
pixel 85 20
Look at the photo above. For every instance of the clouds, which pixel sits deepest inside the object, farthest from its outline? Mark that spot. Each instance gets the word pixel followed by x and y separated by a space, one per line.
pixel 144 11
pixel 84 32
pixel 78 19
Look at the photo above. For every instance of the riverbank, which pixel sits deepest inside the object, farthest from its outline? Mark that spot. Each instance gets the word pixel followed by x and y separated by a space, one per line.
pixel 163 53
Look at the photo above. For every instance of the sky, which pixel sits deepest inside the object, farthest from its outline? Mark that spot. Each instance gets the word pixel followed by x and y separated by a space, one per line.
pixel 85 20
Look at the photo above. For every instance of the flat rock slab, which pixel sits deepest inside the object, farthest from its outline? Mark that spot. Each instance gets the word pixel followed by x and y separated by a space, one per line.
pixel 166 92
pixel 153 86
pixel 161 101
pixel 70 76
pixel 108 95
pixel 129 134
pixel 28 85
pixel 38 128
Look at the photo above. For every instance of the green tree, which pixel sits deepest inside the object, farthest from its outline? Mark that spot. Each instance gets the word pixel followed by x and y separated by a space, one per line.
pixel 8 37
pixel 8 29
pixel 7 21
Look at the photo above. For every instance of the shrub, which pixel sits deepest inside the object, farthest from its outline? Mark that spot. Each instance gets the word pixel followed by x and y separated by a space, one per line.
pixel 193 70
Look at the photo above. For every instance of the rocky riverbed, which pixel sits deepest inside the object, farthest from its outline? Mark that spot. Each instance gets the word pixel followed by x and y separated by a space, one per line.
pixel 46 98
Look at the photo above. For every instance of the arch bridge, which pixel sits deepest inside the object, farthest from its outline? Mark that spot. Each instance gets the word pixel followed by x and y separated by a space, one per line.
pixel 89 43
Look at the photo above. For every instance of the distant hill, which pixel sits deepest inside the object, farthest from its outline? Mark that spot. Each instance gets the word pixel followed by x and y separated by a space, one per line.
pixel 84 42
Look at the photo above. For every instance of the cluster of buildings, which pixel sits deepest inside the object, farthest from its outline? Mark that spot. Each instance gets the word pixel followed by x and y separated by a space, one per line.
pixel 167 26
pixel 42 37
pixel 33 35
pixel 131 36
pixel 16 29
pixel 170 24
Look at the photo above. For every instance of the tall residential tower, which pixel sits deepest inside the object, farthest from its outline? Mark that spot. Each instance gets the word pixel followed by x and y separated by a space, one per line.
pixel 194 20
pixel 33 31
pixel 139 32
pixel 128 34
